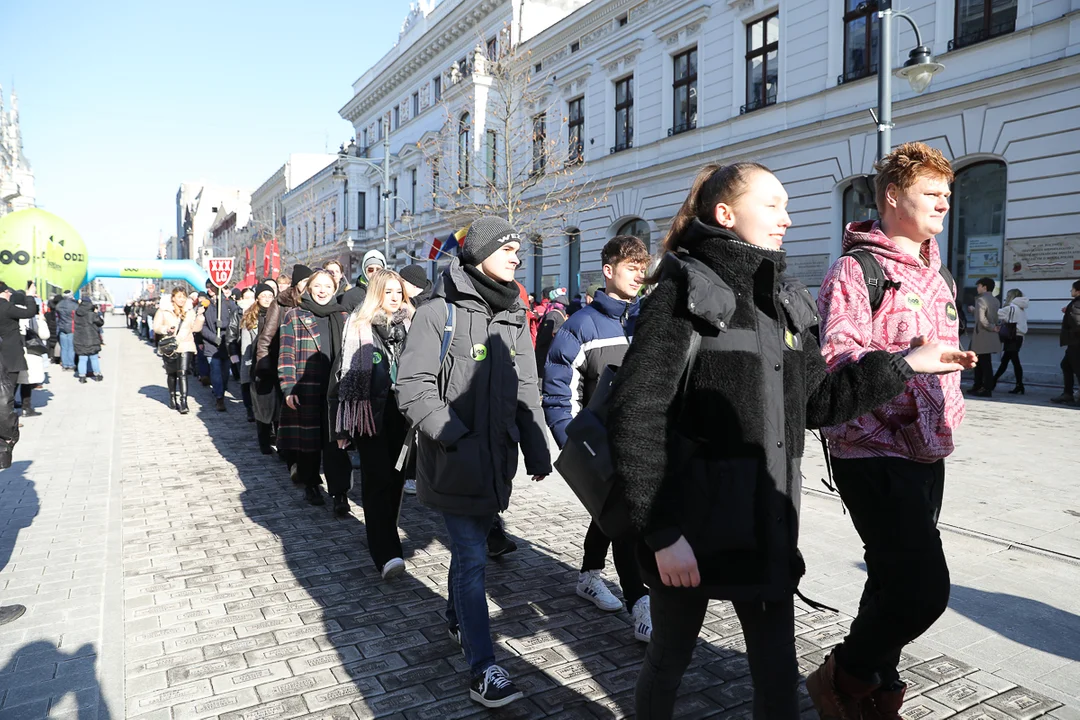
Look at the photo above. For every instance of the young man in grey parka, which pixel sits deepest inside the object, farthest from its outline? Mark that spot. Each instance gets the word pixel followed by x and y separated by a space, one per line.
pixel 471 411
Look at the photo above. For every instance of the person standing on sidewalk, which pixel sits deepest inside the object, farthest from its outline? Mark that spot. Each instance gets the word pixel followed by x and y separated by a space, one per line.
pixel 219 342
pixel 1070 340
pixel 707 443
pixel 889 465
pixel 309 362
pixel 261 297
pixel 368 415
pixel 588 342
pixel 65 329
pixel 179 317
pixel 88 339
pixel 36 353
pixel 985 341
pixel 470 412
pixel 1013 327
pixel 14 307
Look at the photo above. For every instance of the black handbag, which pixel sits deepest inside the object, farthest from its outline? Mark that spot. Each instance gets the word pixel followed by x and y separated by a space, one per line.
pixel 585 461
pixel 168 346
pixel 32 341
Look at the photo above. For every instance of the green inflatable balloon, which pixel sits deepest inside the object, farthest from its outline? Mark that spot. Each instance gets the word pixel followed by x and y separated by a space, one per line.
pixel 37 245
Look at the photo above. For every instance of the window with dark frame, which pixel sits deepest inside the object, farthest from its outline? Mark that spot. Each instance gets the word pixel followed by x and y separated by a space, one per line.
pixel 979 20
pixel 493 49
pixel 378 204
pixel 436 83
pixel 575 46
pixel 464 149
pixel 623 20
pixel 361 210
pixel 412 191
pixel 364 135
pixel 624 114
pixel 397 117
pixel 684 89
pixel 861 32
pixel 490 146
pixel 762 62
pixel 394 197
pixel 575 125
pixel 415 104
pixel 539 141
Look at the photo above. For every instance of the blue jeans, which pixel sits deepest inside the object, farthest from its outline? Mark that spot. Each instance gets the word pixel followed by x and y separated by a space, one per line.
pixel 219 375
pixel 466 604
pixel 67 350
pixel 202 365
pixel 95 366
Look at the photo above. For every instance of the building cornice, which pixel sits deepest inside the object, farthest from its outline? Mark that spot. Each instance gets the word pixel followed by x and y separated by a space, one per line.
pixel 687 22
pixel 445 34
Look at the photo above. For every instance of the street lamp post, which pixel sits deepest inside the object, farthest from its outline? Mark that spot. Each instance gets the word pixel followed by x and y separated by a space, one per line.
pixel 919 70
pixel 386 189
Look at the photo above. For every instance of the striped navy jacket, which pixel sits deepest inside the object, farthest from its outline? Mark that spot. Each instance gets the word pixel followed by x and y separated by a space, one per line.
pixel 591 339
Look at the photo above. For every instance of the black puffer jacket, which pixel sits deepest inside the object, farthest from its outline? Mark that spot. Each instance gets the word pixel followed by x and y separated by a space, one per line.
pixel 721 465
pixel 1070 324
pixel 87 321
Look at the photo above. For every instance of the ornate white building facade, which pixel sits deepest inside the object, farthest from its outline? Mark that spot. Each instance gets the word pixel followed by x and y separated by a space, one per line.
pixel 658 88
pixel 16 176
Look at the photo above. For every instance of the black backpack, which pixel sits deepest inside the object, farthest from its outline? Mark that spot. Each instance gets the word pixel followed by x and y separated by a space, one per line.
pixel 877 283
pixel 585 461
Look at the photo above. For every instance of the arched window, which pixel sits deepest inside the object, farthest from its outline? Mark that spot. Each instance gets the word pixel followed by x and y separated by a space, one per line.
pixel 573 253
pixel 464 149
pixel 976 244
pixel 639 229
pixel 853 209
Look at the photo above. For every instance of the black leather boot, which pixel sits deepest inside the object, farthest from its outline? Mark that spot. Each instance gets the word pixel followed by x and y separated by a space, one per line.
pixel 182 394
pixel 170 380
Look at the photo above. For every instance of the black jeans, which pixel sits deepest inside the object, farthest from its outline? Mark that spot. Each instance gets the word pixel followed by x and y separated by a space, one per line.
pixel 894 505
pixel 1070 367
pixel 335 464
pixel 1011 353
pixel 769 630
pixel 381 485
pixel 595 556
pixel 9 421
pixel 984 373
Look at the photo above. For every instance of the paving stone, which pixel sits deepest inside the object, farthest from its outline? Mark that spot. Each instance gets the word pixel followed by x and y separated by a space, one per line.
pixel 961 694
pixel 1022 704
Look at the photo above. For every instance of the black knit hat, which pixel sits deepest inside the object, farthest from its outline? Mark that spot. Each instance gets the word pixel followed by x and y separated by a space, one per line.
pixel 264 287
pixel 300 272
pixel 415 275
pixel 485 236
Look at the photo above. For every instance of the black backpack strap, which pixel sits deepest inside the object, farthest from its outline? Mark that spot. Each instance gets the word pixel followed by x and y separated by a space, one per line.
pixel 947 276
pixel 876 282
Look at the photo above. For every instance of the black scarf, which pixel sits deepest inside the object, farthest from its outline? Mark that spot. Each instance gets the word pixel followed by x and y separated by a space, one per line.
pixel 738 263
pixel 332 313
pixel 499 296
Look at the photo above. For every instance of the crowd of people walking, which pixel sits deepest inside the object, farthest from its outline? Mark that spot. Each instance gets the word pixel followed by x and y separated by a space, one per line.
pixel 710 367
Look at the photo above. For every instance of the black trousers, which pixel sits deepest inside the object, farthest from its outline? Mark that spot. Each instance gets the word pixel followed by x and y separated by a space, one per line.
pixel 1070 367
pixel 1011 353
pixel 984 373
pixel 176 371
pixel 894 505
pixel 769 630
pixel 381 485
pixel 335 465
pixel 9 421
pixel 595 557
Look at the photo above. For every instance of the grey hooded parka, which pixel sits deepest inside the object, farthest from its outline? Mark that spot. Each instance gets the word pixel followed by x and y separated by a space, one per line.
pixel 473 410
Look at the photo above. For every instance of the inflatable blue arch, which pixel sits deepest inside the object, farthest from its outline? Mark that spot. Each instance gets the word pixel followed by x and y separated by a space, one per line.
pixel 138 269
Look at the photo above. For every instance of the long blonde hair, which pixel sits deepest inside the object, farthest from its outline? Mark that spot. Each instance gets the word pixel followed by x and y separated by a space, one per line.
pixel 376 293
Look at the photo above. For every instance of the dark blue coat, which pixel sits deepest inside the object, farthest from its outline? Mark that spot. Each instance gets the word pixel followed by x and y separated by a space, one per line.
pixel 589 341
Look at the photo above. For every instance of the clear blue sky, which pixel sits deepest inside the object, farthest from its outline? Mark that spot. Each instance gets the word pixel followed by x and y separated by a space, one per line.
pixel 120 102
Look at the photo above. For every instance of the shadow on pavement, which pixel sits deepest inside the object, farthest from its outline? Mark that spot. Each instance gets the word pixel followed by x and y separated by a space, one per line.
pixel 39 678
pixel 1029 622
pixel 19 506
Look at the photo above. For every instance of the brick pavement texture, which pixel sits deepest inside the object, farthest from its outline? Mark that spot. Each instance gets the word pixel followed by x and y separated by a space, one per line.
pixel 241 601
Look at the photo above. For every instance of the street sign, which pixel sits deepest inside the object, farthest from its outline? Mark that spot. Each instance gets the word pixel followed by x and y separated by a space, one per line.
pixel 220 270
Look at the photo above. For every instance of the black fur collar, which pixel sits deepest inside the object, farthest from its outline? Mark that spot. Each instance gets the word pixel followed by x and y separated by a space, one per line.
pixel 736 262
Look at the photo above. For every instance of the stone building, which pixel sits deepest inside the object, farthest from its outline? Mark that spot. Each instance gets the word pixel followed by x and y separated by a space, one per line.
pixel 16 176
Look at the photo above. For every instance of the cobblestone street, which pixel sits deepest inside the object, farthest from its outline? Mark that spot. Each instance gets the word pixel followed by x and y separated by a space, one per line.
pixel 172 571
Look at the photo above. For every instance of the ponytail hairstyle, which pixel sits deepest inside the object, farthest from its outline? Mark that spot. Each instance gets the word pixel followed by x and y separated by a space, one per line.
pixel 714 184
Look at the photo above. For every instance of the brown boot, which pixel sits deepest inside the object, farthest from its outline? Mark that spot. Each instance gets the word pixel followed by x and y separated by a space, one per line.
pixel 836 694
pixel 884 704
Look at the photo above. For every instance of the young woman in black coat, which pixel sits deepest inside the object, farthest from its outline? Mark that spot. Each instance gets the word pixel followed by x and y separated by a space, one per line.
pixel 712 477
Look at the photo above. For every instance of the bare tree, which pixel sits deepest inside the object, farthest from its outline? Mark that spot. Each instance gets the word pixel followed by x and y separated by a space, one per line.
pixel 519 166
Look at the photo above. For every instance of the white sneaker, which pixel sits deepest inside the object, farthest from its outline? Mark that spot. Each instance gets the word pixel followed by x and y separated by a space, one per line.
pixel 394 567
pixel 642 615
pixel 410 487
pixel 592 587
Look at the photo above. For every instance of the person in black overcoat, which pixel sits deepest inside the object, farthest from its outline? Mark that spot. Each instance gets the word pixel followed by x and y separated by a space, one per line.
pixel 14 306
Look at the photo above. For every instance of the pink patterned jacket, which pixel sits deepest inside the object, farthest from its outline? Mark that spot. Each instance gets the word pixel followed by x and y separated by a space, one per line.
pixel 919 424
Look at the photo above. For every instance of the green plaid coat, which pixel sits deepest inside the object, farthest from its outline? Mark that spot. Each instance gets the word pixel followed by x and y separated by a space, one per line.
pixel 305 373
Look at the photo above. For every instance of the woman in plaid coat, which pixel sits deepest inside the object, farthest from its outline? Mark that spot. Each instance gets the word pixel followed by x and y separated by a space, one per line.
pixel 308 363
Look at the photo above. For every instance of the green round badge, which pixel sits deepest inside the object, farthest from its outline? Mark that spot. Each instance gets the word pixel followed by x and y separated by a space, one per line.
pixel 950 312
pixel 376 358
pixel 479 353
